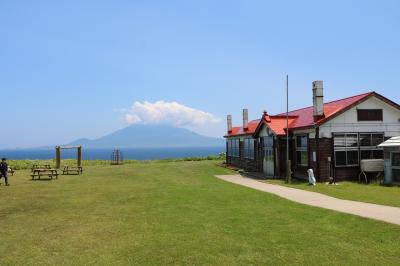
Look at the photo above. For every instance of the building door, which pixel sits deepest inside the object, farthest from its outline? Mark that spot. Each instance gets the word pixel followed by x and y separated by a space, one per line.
pixel 268 162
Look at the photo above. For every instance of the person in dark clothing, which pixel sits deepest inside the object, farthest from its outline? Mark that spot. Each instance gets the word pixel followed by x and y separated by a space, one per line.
pixel 4 170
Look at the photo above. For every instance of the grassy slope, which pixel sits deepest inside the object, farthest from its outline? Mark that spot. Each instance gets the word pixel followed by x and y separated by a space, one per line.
pixel 373 193
pixel 176 213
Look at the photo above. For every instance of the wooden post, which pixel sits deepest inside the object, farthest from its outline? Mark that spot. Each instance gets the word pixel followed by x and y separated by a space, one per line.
pixel 58 157
pixel 79 157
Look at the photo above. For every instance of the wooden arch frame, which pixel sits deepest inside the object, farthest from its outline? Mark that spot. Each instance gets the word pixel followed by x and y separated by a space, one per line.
pixel 78 156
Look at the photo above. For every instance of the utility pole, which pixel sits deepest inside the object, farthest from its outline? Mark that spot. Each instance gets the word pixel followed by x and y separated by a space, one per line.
pixel 288 164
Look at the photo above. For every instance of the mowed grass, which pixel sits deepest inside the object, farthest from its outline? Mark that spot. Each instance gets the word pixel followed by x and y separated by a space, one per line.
pixel 372 193
pixel 176 213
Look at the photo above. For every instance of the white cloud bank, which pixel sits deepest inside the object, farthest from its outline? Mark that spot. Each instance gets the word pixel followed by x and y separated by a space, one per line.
pixel 170 113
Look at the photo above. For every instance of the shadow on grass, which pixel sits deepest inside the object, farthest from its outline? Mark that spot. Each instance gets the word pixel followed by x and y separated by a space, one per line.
pixel 42 179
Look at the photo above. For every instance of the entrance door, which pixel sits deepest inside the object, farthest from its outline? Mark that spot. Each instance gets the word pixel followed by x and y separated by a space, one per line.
pixel 268 163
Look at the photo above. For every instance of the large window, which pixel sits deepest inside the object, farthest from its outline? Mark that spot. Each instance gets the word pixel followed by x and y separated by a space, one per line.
pixel 368 146
pixel 248 148
pixel 370 114
pixel 302 150
pixel 346 149
pixel 233 147
pixel 350 148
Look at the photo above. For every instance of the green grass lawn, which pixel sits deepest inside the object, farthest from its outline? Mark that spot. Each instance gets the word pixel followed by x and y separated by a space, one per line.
pixel 176 213
pixel 372 193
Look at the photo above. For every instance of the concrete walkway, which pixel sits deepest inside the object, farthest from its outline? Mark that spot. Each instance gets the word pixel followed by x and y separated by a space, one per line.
pixel 367 210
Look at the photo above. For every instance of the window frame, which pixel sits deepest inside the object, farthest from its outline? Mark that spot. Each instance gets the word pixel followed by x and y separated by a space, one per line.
pixel 302 149
pixel 249 148
pixel 364 116
pixel 370 148
pixel 346 148
pixel 234 147
pixel 392 154
pixel 267 146
pixel 229 147
pixel 395 168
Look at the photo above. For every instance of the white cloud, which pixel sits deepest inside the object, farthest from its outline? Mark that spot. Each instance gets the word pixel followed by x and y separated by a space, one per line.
pixel 171 113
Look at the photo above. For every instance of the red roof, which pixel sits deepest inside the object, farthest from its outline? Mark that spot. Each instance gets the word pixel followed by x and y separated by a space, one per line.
pixel 304 118
pixel 278 124
pixel 238 131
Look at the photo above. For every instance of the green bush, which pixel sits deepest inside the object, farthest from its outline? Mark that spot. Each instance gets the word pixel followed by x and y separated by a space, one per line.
pixel 27 164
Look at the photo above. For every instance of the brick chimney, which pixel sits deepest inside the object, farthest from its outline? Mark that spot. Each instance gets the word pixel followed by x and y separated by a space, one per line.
pixel 245 119
pixel 318 97
pixel 229 123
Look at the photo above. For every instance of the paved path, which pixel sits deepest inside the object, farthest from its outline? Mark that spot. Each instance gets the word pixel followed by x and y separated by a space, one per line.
pixel 368 210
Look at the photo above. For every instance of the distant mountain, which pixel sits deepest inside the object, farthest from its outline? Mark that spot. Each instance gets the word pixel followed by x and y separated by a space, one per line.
pixel 150 136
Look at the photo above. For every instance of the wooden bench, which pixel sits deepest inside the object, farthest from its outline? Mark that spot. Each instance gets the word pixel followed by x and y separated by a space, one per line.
pixel 39 172
pixel 72 170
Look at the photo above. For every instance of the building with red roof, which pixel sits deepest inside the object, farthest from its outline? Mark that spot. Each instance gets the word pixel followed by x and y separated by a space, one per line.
pixel 331 138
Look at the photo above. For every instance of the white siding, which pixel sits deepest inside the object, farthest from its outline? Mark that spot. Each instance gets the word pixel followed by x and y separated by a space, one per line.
pixel 310 132
pixel 347 122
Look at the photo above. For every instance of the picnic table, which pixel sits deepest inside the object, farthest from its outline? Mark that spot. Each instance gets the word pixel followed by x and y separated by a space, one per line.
pixel 39 166
pixel 72 170
pixel 39 172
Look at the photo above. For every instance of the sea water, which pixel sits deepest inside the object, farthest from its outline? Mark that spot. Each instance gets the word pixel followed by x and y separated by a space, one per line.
pixel 105 154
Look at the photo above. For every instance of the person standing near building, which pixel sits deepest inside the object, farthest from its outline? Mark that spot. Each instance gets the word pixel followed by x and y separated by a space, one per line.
pixel 4 170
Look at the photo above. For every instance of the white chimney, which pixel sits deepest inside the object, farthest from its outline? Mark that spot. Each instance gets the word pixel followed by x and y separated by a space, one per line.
pixel 229 122
pixel 245 118
pixel 318 97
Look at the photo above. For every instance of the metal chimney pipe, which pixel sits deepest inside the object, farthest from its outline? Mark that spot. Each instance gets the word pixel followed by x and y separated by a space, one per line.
pixel 229 123
pixel 245 118
pixel 318 97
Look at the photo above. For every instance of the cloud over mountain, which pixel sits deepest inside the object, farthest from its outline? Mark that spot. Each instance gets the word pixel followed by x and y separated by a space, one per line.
pixel 169 113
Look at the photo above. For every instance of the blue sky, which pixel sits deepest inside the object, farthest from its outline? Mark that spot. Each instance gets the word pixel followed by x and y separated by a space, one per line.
pixel 72 69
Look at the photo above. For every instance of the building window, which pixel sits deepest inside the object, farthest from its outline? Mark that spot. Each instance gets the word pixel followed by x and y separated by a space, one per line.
pixel 233 147
pixel 350 148
pixel 267 142
pixel 368 146
pixel 396 166
pixel 248 148
pixel 370 114
pixel 302 150
pixel 346 149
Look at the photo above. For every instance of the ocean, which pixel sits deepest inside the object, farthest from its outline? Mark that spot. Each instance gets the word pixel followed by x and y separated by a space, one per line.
pixel 105 154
